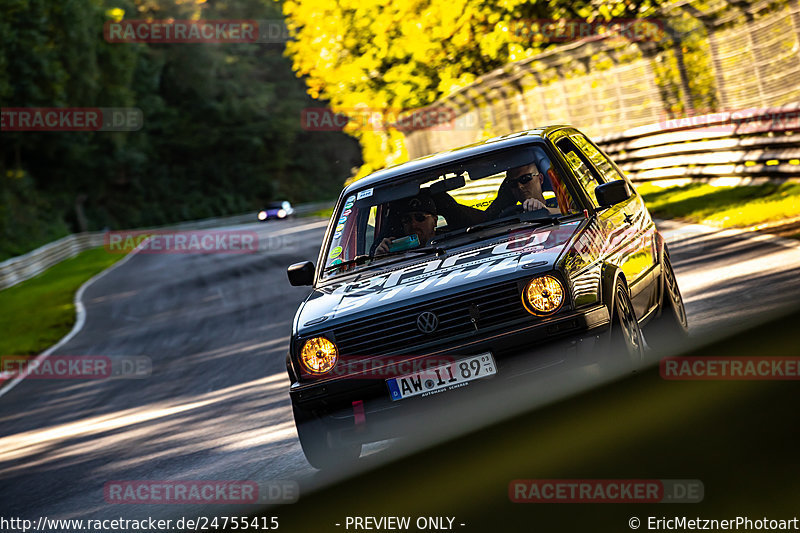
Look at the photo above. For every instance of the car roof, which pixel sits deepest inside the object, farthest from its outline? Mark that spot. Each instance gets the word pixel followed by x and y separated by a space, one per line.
pixel 449 156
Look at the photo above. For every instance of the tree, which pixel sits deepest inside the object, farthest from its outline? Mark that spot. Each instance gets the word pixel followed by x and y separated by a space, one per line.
pixel 385 55
pixel 221 134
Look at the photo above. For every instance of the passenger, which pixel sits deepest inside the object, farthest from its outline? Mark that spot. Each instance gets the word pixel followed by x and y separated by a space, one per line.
pixel 418 215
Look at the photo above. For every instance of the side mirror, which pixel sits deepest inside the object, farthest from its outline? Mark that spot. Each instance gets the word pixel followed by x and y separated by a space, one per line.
pixel 612 193
pixel 301 273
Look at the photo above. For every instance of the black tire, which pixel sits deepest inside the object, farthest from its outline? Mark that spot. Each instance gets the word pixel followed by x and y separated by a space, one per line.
pixel 626 342
pixel 321 450
pixel 671 324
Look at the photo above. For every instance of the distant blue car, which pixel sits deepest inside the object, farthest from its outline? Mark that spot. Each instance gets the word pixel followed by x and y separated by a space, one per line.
pixel 276 210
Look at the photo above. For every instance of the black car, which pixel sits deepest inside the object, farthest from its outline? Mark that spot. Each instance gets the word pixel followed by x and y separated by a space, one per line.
pixel 465 267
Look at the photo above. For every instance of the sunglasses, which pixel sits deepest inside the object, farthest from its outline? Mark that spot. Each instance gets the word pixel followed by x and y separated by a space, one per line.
pixel 525 178
pixel 419 217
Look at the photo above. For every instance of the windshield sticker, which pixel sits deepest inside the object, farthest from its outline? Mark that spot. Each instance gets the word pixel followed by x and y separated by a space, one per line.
pixel 364 194
pixel 349 202
pixel 337 235
pixel 343 220
pixel 340 227
pixel 336 252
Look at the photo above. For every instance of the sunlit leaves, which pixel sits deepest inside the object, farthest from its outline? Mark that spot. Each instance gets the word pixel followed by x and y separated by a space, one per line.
pixel 402 55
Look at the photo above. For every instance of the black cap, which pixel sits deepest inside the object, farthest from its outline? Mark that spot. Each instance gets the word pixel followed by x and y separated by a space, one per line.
pixel 422 203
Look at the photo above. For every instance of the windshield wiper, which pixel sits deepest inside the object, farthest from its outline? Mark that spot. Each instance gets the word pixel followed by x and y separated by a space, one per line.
pixel 518 219
pixel 361 259
pixel 357 260
pixel 423 250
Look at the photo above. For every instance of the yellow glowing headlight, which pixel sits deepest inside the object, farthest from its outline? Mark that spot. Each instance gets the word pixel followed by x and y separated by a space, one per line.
pixel 543 295
pixel 319 355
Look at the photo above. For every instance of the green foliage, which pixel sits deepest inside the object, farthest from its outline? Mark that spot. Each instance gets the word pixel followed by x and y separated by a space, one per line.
pixel 221 134
pixel 725 207
pixel 405 55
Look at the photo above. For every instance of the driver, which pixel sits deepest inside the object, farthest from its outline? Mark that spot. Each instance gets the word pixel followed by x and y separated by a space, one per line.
pixel 418 216
pixel 522 184
pixel 525 185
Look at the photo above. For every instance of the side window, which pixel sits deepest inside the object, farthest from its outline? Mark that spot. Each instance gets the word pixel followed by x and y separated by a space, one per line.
pixel 369 234
pixel 554 189
pixel 586 177
pixel 601 163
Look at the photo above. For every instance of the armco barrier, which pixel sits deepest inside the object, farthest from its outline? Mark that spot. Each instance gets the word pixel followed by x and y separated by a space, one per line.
pixel 18 269
pixel 710 55
pixel 738 146
pixel 744 147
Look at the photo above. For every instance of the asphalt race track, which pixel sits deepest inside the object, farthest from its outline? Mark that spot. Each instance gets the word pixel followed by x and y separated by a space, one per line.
pixel 216 406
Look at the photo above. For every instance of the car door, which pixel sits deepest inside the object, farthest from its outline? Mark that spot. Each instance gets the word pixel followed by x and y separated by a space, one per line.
pixel 628 231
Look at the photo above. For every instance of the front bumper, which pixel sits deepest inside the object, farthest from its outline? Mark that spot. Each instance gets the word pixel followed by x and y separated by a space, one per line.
pixel 542 347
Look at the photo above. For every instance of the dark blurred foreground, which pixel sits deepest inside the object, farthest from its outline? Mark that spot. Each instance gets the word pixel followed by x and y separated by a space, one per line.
pixel 739 438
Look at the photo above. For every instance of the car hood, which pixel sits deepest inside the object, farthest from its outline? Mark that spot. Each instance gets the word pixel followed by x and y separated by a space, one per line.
pixel 528 250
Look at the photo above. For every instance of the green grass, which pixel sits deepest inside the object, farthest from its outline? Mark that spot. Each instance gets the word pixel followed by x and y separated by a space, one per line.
pixel 724 207
pixel 38 312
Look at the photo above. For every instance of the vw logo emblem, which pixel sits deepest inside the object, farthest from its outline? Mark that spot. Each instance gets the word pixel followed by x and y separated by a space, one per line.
pixel 427 322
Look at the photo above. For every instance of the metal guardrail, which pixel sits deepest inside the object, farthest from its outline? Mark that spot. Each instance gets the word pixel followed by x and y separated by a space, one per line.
pixel 750 144
pixel 711 55
pixel 18 269
pixel 736 148
pixel 23 267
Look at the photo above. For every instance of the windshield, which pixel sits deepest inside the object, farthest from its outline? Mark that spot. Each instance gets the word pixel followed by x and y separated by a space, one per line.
pixel 409 216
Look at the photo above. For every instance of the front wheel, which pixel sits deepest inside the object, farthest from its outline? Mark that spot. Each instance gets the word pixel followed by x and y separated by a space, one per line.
pixel 626 342
pixel 671 324
pixel 319 446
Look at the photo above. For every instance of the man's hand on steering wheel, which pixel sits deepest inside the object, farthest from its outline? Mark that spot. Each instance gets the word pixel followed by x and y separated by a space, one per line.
pixel 532 204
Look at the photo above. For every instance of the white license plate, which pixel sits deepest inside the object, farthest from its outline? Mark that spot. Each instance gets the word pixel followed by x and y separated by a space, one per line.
pixel 441 378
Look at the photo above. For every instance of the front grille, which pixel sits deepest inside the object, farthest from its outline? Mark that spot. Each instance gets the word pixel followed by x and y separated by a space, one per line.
pixel 397 330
